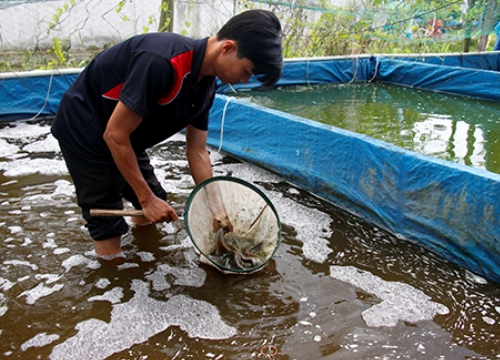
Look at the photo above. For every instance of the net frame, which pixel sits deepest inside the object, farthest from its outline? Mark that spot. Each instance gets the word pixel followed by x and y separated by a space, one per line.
pixel 249 219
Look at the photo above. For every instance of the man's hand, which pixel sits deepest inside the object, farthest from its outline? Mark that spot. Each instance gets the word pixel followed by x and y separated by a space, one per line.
pixel 157 210
pixel 225 224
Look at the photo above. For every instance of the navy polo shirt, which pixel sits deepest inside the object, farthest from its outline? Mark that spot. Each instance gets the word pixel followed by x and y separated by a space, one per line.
pixel 155 75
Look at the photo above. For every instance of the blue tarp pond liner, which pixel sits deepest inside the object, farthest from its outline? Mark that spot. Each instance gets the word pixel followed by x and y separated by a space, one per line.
pixel 446 207
pixel 34 93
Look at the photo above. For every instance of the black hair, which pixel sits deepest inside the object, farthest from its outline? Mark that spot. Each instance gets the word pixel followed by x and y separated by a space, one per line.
pixel 258 37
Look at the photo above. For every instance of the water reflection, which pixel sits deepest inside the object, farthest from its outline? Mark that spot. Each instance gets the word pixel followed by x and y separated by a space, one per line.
pixel 448 127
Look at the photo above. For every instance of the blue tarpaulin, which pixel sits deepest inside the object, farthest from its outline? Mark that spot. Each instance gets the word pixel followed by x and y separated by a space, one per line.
pixel 37 93
pixel 24 95
pixel 446 207
pixel 467 75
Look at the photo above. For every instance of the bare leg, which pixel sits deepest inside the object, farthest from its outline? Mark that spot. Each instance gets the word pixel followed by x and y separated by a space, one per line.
pixel 109 249
pixel 140 220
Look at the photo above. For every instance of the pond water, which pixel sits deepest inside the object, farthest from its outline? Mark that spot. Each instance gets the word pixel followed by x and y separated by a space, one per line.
pixel 454 128
pixel 337 288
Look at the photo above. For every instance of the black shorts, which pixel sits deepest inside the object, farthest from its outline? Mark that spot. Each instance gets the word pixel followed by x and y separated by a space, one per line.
pixel 104 187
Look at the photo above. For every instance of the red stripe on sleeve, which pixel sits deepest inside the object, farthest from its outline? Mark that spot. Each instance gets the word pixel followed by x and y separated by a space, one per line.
pixel 114 93
pixel 182 67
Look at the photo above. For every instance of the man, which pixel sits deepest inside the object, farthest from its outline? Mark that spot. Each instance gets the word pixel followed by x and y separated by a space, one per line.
pixel 142 91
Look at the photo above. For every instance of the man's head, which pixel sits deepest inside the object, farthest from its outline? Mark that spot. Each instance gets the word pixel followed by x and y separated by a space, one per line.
pixel 257 34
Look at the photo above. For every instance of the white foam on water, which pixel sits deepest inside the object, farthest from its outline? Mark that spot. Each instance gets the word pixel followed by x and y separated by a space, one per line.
pixel 49 244
pixel 63 190
pixel 5 284
pixel 488 320
pixel 114 296
pixel 14 229
pixel 476 278
pixel 175 186
pixel 158 281
pixel 10 182
pixel 139 319
pixel 21 263
pixel 27 241
pixel 39 291
pixel 49 278
pixel 39 340
pixel 194 276
pixel 312 227
pixel 399 301
pixel 146 256
pixel 127 265
pixel 169 228
pixel 49 144
pixel 250 173
pixel 185 243
pixel 159 162
pixel 102 283
pixel 19 155
pixel 215 156
pixel 3 308
pixel 26 166
pixel 78 260
pixel 24 131
pixel 177 137
pixel 62 250
pixel 7 149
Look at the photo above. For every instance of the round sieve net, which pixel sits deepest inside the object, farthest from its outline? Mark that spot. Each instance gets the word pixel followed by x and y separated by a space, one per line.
pixel 233 225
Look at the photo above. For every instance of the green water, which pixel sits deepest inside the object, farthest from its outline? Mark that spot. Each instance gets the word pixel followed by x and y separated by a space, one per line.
pixel 448 127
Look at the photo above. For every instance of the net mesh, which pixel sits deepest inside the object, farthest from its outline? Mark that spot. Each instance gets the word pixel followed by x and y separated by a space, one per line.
pixel 41 34
pixel 250 229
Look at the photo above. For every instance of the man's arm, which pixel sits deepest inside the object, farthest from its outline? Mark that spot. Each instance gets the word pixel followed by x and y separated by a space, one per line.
pixel 197 153
pixel 122 123
pixel 201 169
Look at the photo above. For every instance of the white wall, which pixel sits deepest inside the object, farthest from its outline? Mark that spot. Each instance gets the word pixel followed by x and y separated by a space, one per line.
pixel 97 23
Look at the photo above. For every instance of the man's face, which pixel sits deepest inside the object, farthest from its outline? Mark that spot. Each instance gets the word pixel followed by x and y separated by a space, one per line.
pixel 231 69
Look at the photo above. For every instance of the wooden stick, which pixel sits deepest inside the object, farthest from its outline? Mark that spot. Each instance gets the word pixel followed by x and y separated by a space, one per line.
pixel 115 212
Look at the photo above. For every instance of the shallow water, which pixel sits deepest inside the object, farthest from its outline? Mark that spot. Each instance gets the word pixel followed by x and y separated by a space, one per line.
pixel 454 128
pixel 337 288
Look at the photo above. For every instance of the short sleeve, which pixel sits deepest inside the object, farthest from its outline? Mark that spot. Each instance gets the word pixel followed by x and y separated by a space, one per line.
pixel 148 78
pixel 201 121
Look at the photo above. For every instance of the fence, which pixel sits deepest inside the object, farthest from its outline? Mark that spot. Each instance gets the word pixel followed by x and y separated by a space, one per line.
pixel 38 34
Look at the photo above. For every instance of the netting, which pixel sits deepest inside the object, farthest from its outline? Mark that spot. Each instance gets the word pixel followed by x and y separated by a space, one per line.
pixel 246 232
pixel 41 34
